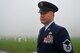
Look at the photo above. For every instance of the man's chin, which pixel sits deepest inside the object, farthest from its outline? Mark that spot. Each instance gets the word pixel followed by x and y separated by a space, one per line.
pixel 43 22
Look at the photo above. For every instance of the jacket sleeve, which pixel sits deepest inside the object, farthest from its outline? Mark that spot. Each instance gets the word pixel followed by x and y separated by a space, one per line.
pixel 63 42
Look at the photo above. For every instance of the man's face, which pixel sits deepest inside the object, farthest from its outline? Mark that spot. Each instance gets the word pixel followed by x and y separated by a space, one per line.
pixel 46 17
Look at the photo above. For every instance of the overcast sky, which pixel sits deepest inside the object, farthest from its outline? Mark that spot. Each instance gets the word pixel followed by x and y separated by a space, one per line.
pixel 21 17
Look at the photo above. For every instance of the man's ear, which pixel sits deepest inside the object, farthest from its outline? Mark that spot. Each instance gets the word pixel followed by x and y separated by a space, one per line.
pixel 53 14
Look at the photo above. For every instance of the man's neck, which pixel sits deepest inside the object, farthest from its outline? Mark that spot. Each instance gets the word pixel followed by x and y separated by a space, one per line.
pixel 46 26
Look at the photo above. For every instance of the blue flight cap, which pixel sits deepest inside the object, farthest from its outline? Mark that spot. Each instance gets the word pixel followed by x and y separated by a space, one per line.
pixel 47 6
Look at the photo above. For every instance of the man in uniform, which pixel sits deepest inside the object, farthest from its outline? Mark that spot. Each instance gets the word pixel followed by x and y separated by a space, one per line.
pixel 52 37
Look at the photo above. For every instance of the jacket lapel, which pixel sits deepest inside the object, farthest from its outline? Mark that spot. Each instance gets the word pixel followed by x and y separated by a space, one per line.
pixel 44 33
pixel 40 36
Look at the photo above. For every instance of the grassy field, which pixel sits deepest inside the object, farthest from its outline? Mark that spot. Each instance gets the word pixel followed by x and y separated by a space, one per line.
pixel 76 45
pixel 15 46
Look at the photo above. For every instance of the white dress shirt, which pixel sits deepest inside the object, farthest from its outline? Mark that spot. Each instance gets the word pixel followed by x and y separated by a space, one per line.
pixel 46 27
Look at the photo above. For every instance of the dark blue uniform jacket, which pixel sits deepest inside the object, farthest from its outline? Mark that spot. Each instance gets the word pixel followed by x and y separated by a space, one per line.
pixel 54 40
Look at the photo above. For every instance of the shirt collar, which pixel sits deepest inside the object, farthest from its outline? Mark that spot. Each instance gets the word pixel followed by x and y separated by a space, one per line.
pixel 46 27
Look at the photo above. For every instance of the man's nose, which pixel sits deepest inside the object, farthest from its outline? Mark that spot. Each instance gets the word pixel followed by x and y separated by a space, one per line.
pixel 42 16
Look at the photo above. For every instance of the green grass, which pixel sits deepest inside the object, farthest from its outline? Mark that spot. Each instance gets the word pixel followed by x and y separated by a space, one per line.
pixel 76 45
pixel 28 46
pixel 14 46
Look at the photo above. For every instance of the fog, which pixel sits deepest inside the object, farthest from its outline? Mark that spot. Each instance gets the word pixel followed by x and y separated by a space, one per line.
pixel 21 17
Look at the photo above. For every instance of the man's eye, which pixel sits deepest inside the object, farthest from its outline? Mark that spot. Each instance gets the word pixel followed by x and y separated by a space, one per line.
pixel 43 13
